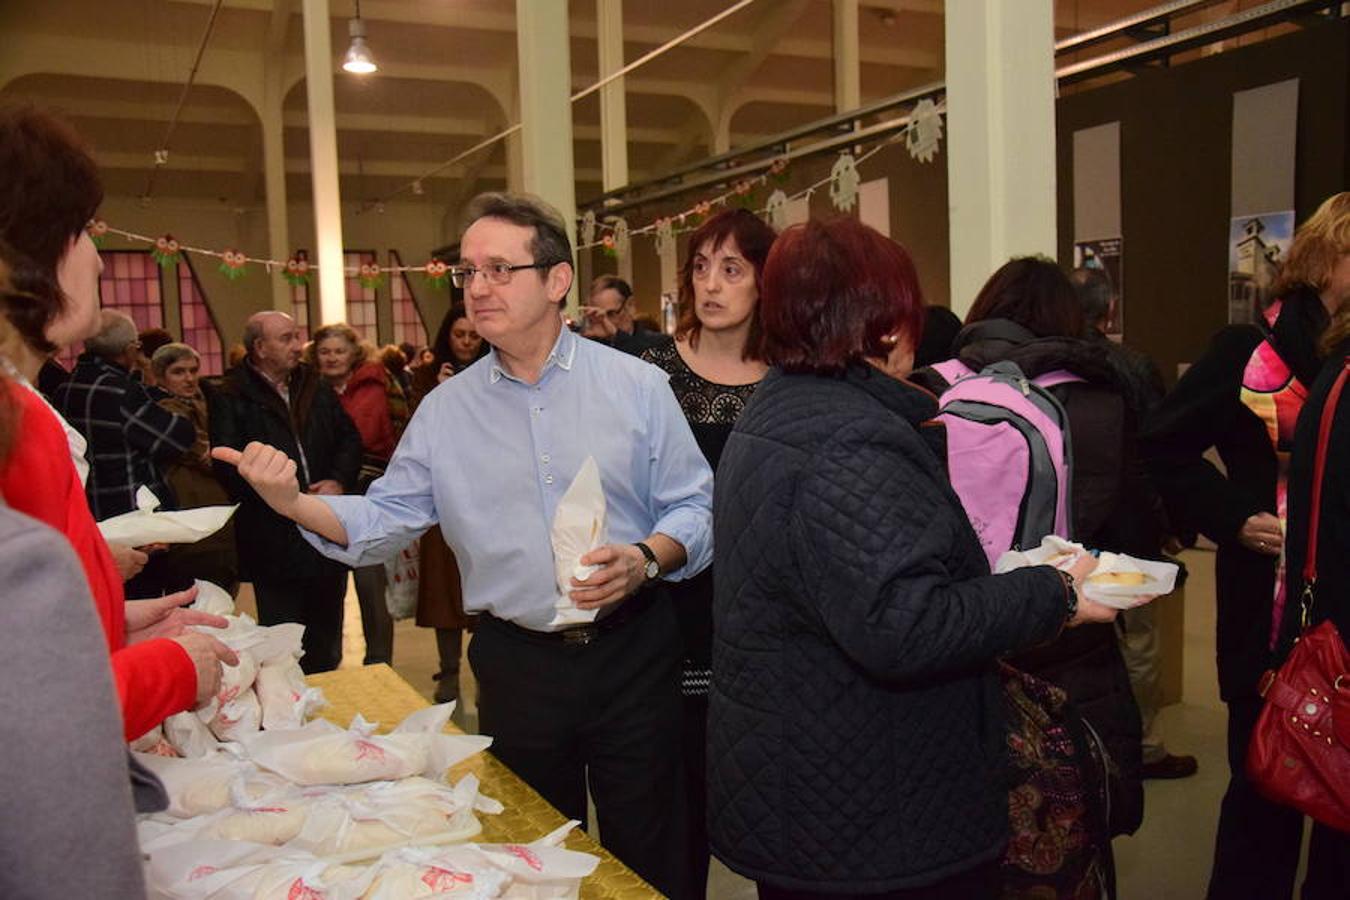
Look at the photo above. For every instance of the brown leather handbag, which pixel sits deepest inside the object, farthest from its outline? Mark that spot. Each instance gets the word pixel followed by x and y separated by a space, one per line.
pixel 1300 750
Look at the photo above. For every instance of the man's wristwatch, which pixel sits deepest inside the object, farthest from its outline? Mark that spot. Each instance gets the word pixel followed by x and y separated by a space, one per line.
pixel 653 568
pixel 1071 587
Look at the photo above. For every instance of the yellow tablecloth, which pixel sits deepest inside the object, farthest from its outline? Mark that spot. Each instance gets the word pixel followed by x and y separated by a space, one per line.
pixel 379 694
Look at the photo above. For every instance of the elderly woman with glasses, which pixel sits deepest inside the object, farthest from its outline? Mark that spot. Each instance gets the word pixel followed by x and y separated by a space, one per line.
pixel 177 368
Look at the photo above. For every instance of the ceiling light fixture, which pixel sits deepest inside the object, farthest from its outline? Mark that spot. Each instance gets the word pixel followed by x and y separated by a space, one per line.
pixel 358 60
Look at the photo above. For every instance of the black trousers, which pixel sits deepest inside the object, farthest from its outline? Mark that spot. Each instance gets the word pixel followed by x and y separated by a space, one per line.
pixel 695 741
pixel 607 713
pixel 980 883
pixel 314 602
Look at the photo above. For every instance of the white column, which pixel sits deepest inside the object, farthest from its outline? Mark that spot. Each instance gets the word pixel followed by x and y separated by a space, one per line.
pixel 1001 137
pixel 324 162
pixel 546 107
pixel 847 74
pixel 274 177
pixel 613 108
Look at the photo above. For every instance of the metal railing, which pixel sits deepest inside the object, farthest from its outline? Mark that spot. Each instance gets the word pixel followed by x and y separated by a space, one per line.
pixel 857 126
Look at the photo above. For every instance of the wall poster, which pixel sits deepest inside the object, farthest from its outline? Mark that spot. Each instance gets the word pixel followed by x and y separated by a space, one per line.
pixel 1256 244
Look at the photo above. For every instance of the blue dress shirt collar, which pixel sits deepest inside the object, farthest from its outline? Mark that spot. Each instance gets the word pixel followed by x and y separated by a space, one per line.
pixel 563 352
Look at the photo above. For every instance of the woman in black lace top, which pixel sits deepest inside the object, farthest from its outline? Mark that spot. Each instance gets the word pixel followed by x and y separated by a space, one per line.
pixel 714 364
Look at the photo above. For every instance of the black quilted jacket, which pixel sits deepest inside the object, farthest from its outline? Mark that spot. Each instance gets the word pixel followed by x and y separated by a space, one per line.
pixel 855 728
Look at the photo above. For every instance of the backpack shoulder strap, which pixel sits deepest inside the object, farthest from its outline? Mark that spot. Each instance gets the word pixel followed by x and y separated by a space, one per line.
pixel 1057 377
pixel 952 370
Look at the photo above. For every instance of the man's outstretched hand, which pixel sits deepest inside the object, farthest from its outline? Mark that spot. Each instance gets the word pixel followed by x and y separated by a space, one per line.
pixel 269 471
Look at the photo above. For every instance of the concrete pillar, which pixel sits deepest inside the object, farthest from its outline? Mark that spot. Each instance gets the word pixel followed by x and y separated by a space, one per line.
pixel 546 108
pixel 324 162
pixel 515 149
pixel 274 178
pixel 1001 137
pixel 847 71
pixel 613 108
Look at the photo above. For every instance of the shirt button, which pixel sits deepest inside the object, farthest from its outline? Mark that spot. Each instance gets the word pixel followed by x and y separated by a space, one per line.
pixel 548 479
pixel 544 458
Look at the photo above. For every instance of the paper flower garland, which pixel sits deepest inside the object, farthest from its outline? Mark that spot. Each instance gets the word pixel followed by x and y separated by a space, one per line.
pixel 844 182
pixel 166 251
pixel 370 276
pixel 297 271
pixel 924 132
pixel 607 246
pixel 232 264
pixel 98 232
pixel 438 273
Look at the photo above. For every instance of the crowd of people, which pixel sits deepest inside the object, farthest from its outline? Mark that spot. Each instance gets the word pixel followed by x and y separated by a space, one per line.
pixel 798 654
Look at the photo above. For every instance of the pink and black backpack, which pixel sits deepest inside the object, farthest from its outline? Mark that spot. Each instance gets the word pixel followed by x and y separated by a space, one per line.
pixel 1009 453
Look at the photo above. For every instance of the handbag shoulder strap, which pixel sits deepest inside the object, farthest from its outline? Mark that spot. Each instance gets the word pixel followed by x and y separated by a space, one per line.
pixel 1319 470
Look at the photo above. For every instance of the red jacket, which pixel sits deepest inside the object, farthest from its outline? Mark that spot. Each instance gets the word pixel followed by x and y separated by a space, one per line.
pixel 155 678
pixel 365 400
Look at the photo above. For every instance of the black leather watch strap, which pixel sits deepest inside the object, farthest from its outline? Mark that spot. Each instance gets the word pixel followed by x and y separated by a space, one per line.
pixel 651 558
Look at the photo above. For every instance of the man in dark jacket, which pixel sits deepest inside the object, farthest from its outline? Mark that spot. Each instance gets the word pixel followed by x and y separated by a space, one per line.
pixel 129 433
pixel 271 398
pixel 609 317
pixel 1140 641
pixel 130 436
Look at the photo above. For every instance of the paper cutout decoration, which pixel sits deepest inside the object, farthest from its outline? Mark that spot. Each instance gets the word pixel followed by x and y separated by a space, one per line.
pixel 622 243
pixel 777 210
pixel 588 227
pixel 844 180
pixel 665 236
pixel 98 231
pixel 924 133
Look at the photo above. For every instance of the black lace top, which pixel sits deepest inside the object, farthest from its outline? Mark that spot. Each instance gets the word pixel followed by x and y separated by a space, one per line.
pixel 712 410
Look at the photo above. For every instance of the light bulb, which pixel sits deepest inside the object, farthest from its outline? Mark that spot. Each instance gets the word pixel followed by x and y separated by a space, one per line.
pixel 358 60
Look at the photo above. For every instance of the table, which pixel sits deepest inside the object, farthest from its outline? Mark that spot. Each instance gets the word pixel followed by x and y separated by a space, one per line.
pixel 379 694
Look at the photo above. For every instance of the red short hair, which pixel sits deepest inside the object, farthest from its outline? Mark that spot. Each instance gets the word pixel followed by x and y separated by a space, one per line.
pixel 831 292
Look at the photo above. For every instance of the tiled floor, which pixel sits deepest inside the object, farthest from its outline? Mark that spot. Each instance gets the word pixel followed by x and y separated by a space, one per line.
pixel 1168 859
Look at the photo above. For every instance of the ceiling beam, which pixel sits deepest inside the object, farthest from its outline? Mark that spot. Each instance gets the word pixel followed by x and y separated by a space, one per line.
pixel 643 36
pixel 234 165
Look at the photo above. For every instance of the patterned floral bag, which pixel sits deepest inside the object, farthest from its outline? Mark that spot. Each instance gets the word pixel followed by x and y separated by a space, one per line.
pixel 1059 847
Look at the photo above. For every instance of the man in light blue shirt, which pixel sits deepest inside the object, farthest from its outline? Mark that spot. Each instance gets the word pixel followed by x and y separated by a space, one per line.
pixel 488 455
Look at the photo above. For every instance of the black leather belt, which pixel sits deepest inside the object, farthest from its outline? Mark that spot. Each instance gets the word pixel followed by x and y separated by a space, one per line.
pixel 628 610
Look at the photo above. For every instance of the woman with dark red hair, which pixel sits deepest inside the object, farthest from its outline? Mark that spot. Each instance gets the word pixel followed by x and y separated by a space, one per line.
pixel 856 722
pixel 715 364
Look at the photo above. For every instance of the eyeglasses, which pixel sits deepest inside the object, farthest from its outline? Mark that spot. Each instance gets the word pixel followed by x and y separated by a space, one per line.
pixel 496 273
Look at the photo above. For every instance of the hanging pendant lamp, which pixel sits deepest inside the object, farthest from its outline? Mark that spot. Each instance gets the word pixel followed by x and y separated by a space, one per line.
pixel 358 60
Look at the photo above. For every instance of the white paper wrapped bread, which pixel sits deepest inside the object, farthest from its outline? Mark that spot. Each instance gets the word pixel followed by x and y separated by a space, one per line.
pixel 322 753
pixel 1119 581
pixel 219 870
pixel 208 784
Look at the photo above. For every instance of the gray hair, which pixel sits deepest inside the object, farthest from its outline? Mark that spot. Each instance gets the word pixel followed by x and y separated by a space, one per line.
pixel 1095 293
pixel 550 243
pixel 116 332
pixel 169 354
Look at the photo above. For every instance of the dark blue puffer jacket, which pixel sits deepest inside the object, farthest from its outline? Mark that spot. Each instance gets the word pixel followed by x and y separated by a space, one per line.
pixel 855 727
